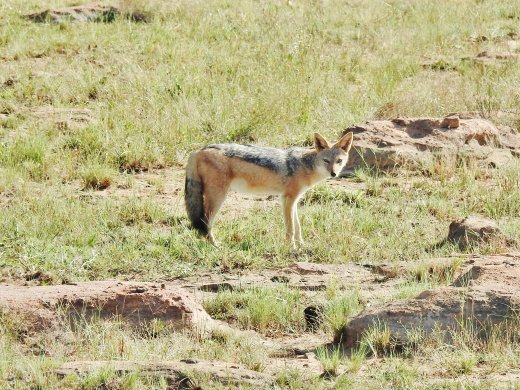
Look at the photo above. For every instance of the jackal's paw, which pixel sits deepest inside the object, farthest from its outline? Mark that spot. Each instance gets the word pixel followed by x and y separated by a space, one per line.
pixel 292 243
pixel 300 243
pixel 213 242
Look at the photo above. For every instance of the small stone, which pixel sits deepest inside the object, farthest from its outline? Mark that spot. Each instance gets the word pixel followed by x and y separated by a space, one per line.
pixel 305 268
pixel 451 122
pixel 473 230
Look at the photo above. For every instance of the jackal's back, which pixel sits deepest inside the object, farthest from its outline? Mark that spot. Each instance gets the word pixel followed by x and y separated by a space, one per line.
pixel 282 161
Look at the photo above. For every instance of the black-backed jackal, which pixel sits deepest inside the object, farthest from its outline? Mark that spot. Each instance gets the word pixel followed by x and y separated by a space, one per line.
pixel 215 169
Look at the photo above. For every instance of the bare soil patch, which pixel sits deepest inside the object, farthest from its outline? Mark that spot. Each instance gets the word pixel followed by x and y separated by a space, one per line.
pixel 178 303
pixel 486 287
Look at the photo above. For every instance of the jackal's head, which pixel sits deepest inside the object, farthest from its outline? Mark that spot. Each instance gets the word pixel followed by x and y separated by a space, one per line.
pixel 333 157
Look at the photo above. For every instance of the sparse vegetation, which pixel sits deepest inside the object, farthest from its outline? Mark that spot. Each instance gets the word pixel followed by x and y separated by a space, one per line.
pixel 262 309
pixel 93 114
pixel 339 309
pixel 96 177
pixel 378 340
pixel 330 359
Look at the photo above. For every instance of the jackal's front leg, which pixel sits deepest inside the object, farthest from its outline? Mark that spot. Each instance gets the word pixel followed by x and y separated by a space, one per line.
pixel 288 203
pixel 297 227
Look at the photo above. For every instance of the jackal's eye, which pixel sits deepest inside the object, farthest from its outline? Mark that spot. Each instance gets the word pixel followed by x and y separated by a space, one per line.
pixel 339 161
pixel 326 160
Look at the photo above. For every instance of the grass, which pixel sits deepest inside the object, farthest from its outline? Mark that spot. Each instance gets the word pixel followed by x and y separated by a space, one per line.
pixel 339 308
pixel 262 309
pixel 330 359
pixel 96 177
pixel 91 113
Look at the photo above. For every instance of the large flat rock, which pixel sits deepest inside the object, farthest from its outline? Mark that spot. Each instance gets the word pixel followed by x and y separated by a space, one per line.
pixel 134 302
pixel 300 275
pixel 487 292
pixel 386 144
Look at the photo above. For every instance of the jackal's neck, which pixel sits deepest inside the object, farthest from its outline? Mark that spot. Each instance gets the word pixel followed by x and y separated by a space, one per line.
pixel 309 159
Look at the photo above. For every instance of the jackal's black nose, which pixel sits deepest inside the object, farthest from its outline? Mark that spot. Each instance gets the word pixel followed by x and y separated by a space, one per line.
pixel 333 174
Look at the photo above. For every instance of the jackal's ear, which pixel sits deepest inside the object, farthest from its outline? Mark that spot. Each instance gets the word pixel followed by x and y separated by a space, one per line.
pixel 320 143
pixel 345 142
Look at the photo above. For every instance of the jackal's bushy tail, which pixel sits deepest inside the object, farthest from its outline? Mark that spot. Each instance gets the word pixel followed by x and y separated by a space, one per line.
pixel 193 196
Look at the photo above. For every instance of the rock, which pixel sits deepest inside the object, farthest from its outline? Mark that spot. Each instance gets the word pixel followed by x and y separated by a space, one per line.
pixel 500 271
pixel 305 268
pixel 216 287
pixel 177 373
pixel 85 13
pixel 135 302
pixel 486 293
pixel 386 144
pixel 473 230
pixel 63 118
pixel 303 276
pixel 499 158
pixel 79 13
pixel 492 56
pixel 451 122
pixel 509 115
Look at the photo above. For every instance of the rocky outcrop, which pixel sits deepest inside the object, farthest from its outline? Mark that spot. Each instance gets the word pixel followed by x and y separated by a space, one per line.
pixel 134 302
pixel 386 144
pixel 487 292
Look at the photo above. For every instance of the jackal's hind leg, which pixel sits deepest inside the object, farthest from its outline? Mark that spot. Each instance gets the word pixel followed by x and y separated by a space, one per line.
pixel 214 197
